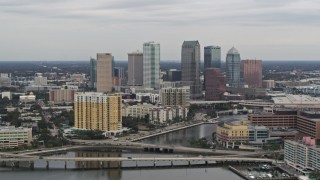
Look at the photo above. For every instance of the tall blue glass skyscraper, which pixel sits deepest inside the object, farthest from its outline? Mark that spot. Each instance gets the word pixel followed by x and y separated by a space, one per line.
pixel 233 68
pixel 212 57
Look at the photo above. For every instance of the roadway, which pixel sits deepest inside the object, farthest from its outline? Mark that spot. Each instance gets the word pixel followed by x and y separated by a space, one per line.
pixel 136 146
pixel 120 159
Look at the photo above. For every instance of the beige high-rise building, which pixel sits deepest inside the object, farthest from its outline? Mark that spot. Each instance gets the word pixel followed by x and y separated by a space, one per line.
pixel 98 111
pixel 175 96
pixel 104 72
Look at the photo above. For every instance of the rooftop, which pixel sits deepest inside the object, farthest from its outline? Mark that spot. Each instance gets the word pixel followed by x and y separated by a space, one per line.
pixel 233 50
pixel 291 99
pixel 12 128
pixel 190 43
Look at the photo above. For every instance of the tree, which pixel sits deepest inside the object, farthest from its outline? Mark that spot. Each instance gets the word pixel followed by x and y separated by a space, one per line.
pixel 146 118
pixel 42 124
pixel 13 118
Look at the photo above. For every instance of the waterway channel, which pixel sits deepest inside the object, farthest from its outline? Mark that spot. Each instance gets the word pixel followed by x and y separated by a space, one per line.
pixel 184 136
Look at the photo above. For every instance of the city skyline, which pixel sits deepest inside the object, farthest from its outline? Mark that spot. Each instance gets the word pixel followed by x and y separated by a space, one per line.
pixel 65 30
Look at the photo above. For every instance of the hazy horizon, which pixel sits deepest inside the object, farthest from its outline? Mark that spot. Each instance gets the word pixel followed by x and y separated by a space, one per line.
pixel 164 60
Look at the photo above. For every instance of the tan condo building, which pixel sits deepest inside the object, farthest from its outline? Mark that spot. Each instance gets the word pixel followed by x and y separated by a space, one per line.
pixel 98 111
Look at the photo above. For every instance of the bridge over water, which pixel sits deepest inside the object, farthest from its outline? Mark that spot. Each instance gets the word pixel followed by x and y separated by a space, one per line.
pixel 155 161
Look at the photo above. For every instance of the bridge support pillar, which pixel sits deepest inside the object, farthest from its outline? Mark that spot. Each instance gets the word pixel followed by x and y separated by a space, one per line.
pixel 31 165
pixel 47 166
pixel 82 163
pixel 12 165
pixel 65 165
pixel 16 164
pixel 4 164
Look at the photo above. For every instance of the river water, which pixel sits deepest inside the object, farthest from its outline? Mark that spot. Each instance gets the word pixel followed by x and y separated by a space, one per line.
pixel 181 137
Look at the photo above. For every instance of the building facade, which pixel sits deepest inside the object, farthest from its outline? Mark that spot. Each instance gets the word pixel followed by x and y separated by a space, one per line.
pixel 190 68
pixel 11 137
pixel 215 84
pixel 98 111
pixel 308 123
pixel 173 75
pixel 212 57
pixel 5 79
pixel 279 119
pixel 119 72
pixel 252 73
pixel 156 114
pixel 93 73
pixel 232 134
pixel 104 72
pixel 175 96
pixel 135 69
pixel 268 84
pixel 302 154
pixel 40 81
pixel 151 65
pixel 61 95
pixel 239 132
pixel 233 69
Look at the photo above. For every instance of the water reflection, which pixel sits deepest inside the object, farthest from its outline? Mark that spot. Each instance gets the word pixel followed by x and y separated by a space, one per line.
pixel 114 174
pixel 97 164
pixel 183 137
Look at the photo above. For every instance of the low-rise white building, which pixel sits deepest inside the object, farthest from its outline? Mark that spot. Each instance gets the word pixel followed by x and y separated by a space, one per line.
pixel 6 94
pixel 302 154
pixel 28 98
pixel 157 114
pixel 11 137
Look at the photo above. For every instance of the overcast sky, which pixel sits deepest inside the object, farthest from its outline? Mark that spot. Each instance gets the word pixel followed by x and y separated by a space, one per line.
pixel 78 29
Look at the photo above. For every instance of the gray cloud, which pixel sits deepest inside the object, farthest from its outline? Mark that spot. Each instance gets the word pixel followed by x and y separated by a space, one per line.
pixel 142 20
pixel 171 11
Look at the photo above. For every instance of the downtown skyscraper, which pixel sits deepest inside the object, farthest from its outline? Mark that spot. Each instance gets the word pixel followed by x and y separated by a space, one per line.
pixel 252 73
pixel 190 67
pixel 215 84
pixel 93 73
pixel 212 57
pixel 104 72
pixel 151 65
pixel 233 69
pixel 135 68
